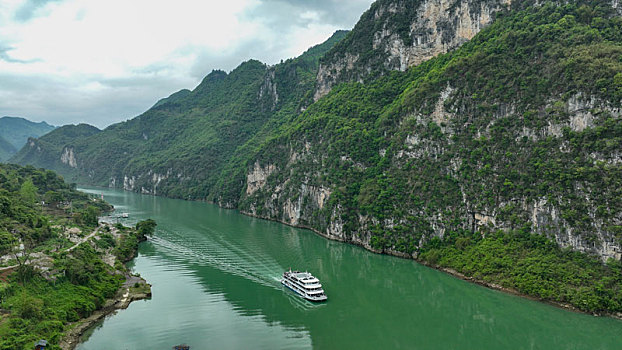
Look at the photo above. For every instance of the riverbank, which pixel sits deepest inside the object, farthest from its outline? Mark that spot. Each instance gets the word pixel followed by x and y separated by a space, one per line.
pixel 559 267
pixel 70 289
pixel 134 288
pixel 427 260
pixel 565 306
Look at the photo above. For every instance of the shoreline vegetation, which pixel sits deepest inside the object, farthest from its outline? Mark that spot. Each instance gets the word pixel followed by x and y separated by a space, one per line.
pixel 135 288
pixel 61 269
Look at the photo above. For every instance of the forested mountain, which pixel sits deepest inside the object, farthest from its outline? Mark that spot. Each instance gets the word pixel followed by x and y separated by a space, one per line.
pixel 518 128
pixel 16 131
pixel 6 149
pixel 482 136
pixel 181 145
pixel 55 149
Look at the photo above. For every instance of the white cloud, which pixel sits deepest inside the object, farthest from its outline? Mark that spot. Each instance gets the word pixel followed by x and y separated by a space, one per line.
pixel 67 60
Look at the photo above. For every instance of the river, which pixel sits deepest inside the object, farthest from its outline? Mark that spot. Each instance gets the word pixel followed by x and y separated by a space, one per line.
pixel 215 276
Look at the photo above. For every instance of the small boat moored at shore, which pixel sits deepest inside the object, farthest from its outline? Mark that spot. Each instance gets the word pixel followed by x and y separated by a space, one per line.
pixel 304 284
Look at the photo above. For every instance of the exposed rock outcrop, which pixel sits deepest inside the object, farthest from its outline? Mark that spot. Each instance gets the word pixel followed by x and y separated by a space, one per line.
pixel 405 33
pixel 68 157
pixel 256 179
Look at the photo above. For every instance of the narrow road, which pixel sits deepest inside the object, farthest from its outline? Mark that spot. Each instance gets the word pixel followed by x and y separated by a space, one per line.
pixel 8 267
pixel 82 240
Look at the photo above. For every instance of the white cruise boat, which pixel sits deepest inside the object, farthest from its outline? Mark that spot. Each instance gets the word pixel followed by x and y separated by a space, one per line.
pixel 304 284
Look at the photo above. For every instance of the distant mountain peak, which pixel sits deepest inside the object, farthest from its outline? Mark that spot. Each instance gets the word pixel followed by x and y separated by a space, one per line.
pixel 20 120
pixel 16 131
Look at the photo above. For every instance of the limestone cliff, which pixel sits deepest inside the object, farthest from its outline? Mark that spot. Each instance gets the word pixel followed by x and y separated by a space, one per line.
pixel 68 157
pixel 499 135
pixel 395 35
pixel 302 199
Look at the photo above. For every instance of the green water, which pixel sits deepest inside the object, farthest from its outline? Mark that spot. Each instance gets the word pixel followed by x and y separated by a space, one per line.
pixel 215 276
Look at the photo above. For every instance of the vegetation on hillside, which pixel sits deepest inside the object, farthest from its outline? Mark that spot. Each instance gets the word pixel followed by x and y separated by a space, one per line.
pixel 532 265
pixel 6 149
pixel 52 282
pixel 46 151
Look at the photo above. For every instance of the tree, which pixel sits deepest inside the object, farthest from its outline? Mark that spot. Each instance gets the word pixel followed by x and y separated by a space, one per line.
pixel 28 192
pixel 145 228
pixel 89 215
pixel 53 197
pixel 7 242
pixel 22 255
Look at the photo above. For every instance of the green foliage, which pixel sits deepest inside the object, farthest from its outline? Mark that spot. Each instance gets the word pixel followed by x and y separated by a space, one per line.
pixel 28 307
pixel 7 242
pixel 23 216
pixel 128 243
pixel 88 216
pixel 78 284
pixel 145 228
pixel 28 192
pixel 42 309
pixel 534 265
pixel 106 241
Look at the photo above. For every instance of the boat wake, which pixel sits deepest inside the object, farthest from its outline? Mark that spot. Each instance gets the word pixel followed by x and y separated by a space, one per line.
pixel 216 251
pixel 226 257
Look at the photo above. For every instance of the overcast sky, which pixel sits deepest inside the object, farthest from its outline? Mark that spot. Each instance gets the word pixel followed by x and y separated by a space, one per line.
pixel 104 61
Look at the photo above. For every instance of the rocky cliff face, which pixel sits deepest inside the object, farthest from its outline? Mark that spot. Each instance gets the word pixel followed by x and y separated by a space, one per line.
pixel 292 192
pixel 68 157
pixel 401 34
pixel 147 183
pixel 478 149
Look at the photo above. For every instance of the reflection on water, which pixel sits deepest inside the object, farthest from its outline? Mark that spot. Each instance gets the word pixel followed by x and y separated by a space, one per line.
pixel 215 276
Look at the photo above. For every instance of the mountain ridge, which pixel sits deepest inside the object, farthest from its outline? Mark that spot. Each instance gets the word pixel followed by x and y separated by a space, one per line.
pixel 223 111
pixel 16 131
pixel 6 149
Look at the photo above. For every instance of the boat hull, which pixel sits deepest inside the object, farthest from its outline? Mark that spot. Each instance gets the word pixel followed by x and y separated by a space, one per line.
pixel 287 284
